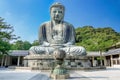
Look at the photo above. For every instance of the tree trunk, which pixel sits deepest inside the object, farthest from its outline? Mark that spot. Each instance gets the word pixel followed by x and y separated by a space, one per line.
pixel 101 64
pixel 5 60
pixel 2 62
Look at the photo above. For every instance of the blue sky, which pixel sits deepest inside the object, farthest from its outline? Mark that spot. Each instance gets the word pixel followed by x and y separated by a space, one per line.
pixel 27 15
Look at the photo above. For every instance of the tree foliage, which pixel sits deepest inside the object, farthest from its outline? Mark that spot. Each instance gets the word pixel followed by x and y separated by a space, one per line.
pixel 35 43
pixel 4 47
pixel 94 39
pixel 21 45
pixel 6 35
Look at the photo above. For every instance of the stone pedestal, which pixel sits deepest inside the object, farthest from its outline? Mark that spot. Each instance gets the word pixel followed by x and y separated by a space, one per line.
pixel 45 62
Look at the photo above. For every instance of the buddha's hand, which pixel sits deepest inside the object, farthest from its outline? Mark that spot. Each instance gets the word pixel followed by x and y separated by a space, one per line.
pixel 68 44
pixel 45 44
pixel 56 45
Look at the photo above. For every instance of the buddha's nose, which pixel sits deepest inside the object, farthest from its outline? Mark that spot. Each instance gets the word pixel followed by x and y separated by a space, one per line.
pixel 57 15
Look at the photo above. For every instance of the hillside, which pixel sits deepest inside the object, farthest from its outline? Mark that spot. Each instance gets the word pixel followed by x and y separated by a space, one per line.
pixel 94 39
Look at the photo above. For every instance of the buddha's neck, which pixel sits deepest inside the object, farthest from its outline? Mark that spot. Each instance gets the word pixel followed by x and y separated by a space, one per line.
pixel 56 22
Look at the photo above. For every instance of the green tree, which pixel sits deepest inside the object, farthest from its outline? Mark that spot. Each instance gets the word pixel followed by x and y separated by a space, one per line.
pixel 95 39
pixel 6 35
pixel 18 45
pixel 26 45
pixel 21 45
pixel 35 43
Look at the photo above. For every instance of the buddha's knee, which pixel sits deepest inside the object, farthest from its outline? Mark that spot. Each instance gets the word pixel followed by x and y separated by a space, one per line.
pixel 32 50
pixel 37 50
pixel 83 51
pixel 79 50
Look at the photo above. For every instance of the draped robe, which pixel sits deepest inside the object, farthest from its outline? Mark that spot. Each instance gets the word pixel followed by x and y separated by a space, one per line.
pixel 46 33
pixel 47 38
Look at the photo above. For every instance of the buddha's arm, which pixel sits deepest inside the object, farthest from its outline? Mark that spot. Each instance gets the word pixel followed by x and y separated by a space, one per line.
pixel 71 40
pixel 42 36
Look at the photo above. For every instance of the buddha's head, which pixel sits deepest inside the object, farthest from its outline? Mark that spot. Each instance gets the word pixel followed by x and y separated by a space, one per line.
pixel 57 11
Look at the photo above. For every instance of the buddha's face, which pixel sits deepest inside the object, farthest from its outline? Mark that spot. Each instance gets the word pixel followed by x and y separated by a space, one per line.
pixel 57 13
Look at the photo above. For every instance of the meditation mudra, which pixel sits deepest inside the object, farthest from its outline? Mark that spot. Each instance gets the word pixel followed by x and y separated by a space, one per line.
pixel 57 34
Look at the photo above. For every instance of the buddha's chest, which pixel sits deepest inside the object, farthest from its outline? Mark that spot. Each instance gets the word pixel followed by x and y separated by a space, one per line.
pixel 58 30
pixel 58 33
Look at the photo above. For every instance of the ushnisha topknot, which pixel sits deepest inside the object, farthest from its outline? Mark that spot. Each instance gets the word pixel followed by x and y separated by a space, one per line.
pixel 57 4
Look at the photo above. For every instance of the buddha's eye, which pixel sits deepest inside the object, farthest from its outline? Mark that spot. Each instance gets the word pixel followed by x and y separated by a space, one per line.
pixel 54 11
pixel 59 11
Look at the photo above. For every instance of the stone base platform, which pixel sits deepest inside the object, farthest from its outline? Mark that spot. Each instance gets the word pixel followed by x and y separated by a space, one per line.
pixel 46 62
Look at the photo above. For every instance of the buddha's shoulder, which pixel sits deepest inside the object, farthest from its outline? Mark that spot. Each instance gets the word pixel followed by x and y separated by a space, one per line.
pixel 45 23
pixel 67 23
pixel 49 22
